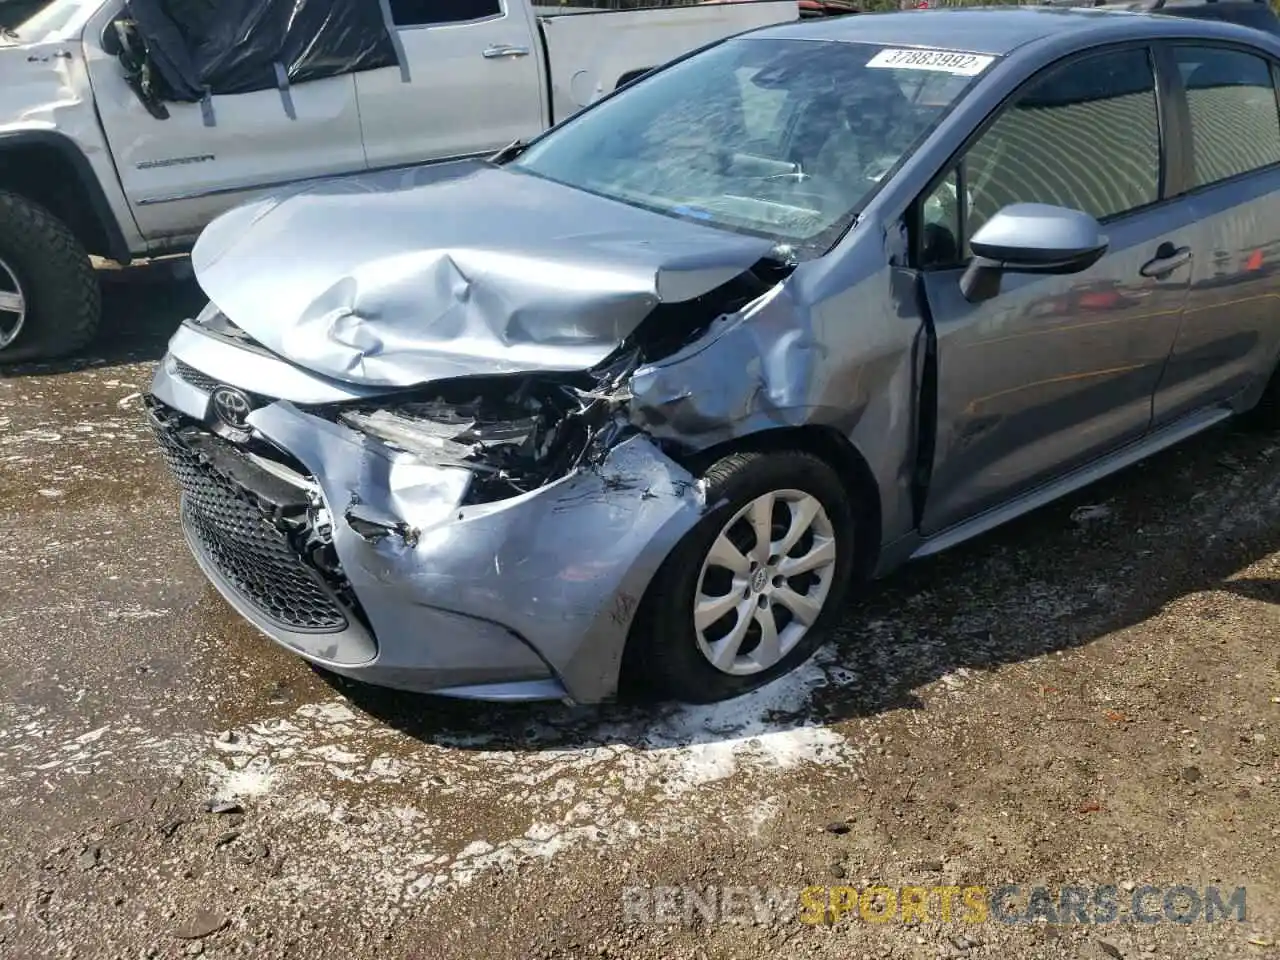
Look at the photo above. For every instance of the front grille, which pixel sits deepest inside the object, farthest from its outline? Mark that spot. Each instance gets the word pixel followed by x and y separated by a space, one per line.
pixel 191 375
pixel 248 551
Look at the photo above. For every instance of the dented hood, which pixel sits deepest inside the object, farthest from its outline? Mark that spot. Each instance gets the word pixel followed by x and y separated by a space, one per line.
pixel 401 277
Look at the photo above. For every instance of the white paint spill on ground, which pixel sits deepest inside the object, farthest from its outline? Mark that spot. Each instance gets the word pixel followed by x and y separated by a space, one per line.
pixel 416 820
pixel 39 747
pixel 88 610
pixel 598 782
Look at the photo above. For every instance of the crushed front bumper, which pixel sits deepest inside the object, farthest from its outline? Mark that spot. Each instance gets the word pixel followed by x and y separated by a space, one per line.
pixel 369 563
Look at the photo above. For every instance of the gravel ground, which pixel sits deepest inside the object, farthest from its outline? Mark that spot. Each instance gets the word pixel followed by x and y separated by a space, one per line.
pixel 1089 696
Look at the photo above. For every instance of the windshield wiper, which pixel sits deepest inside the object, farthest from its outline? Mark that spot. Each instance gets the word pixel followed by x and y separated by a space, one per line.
pixel 509 152
pixel 8 33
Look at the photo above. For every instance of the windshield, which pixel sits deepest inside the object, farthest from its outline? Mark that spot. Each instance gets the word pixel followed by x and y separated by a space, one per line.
pixel 785 139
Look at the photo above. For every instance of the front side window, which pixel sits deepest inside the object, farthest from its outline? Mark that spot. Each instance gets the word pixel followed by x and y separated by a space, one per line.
pixel 1085 136
pixel 1235 126
pixel 785 139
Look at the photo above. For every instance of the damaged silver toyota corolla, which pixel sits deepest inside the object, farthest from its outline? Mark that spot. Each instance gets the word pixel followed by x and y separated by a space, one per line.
pixel 648 395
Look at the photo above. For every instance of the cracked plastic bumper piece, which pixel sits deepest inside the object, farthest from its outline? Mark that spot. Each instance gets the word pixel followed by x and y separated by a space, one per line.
pixel 524 598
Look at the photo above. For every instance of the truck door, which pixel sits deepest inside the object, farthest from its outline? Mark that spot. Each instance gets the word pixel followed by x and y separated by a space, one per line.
pixel 472 82
pixel 181 172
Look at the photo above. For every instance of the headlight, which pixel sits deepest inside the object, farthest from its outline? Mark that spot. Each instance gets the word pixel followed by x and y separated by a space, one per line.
pixel 432 439
pixel 508 444
pixel 447 433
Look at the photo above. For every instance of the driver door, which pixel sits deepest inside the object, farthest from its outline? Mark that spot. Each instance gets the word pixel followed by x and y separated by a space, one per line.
pixel 1054 371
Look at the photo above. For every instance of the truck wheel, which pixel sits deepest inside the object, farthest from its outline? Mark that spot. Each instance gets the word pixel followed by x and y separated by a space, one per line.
pixel 50 302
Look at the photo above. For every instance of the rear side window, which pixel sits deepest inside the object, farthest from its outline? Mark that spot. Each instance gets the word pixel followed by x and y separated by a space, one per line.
pixel 1235 126
pixel 1086 136
pixel 419 13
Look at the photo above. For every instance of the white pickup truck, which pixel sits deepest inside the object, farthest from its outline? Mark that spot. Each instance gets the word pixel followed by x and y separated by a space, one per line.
pixel 91 165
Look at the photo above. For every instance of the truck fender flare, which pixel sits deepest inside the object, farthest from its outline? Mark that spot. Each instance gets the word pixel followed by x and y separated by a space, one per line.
pixel 91 189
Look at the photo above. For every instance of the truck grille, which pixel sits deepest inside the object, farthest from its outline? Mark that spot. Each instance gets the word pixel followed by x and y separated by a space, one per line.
pixel 250 553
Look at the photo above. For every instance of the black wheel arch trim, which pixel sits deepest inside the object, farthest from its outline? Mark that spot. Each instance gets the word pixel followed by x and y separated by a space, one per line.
pixel 117 247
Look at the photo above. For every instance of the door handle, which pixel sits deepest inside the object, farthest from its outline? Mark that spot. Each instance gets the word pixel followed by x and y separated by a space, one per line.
pixel 499 50
pixel 1168 259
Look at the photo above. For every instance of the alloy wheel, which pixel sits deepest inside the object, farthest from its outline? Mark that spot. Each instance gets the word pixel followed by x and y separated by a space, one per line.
pixel 13 305
pixel 764 582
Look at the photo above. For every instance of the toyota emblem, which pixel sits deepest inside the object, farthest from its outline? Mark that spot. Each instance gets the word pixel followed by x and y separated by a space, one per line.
pixel 231 406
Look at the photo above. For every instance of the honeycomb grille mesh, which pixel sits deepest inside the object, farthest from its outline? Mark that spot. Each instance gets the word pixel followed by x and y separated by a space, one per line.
pixel 191 375
pixel 250 553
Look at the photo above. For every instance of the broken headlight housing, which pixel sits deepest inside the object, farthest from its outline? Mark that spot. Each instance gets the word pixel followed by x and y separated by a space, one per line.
pixel 513 435
pixel 440 433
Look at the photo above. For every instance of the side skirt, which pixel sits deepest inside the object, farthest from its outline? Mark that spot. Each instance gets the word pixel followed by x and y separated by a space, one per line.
pixel 1126 456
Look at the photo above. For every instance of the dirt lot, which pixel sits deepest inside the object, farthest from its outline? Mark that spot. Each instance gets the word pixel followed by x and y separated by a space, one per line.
pixel 1091 696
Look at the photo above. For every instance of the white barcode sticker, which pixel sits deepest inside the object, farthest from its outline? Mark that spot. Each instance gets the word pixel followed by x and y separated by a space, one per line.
pixel 942 61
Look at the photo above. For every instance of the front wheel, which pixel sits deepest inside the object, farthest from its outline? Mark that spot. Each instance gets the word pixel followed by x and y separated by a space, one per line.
pixel 50 301
pixel 751 591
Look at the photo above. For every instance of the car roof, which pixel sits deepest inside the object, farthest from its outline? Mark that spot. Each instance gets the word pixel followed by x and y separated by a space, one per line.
pixel 992 30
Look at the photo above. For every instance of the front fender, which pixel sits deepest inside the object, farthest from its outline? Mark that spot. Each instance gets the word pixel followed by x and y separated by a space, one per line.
pixel 848 362
pixel 97 208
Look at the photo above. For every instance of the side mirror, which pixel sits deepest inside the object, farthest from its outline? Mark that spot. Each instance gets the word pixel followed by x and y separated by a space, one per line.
pixel 1030 238
pixel 112 45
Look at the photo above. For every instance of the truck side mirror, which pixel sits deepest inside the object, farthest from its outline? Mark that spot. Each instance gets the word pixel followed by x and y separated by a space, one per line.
pixel 112 45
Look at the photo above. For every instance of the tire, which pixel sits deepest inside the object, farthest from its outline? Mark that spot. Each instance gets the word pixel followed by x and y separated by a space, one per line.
pixel 59 291
pixel 669 650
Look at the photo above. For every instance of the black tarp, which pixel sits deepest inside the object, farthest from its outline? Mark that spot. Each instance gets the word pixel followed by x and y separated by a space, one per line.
pixel 201 47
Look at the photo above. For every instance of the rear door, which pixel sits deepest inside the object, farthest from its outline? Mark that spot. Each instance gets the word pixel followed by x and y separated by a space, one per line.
pixel 1230 332
pixel 472 82
pixel 181 172
pixel 1054 371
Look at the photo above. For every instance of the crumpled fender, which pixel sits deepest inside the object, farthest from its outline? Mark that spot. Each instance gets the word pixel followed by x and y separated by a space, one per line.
pixel 773 365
